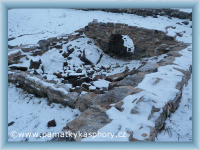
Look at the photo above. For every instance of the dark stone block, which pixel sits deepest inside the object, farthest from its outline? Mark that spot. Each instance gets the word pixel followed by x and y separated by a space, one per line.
pixel 35 64
pixel 11 123
pixel 51 123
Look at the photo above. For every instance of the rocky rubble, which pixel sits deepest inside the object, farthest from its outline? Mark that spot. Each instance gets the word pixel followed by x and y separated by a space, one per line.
pixel 169 108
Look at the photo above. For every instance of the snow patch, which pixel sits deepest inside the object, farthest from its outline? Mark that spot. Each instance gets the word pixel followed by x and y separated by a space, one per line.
pixel 128 42
pixel 101 83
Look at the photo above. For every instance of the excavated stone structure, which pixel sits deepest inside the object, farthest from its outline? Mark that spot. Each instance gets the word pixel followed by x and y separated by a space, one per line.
pixel 94 105
pixel 147 43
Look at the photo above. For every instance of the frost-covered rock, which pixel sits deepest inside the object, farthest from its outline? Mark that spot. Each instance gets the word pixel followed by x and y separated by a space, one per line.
pixel 101 83
pixel 133 80
pixel 92 88
pixel 105 66
pixel 91 56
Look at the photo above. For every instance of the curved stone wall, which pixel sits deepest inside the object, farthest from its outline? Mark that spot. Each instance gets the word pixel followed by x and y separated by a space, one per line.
pixel 147 42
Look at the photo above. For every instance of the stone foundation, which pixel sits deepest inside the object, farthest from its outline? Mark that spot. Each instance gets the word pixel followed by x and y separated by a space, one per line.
pixel 147 42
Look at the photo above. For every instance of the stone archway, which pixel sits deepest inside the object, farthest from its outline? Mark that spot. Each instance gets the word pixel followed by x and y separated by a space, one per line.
pixel 147 42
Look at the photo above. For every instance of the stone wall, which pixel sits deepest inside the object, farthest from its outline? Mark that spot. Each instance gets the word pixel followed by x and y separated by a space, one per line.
pixel 150 12
pixel 147 42
pixel 35 84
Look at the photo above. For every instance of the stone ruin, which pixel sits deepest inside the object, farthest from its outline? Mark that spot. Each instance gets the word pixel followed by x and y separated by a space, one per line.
pixel 93 105
pixel 147 43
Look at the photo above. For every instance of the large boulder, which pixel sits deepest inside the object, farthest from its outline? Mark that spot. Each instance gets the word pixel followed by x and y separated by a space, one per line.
pixel 91 56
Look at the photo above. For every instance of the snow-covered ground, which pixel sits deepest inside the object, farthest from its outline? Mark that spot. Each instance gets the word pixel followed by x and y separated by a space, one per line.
pixel 179 126
pixel 35 24
pixel 160 93
pixel 31 114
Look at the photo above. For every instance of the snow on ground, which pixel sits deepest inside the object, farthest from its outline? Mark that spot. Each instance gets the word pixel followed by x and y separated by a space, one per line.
pixel 179 126
pixel 128 43
pixel 32 114
pixel 101 83
pixel 153 95
pixel 13 52
pixel 188 10
pixel 35 24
